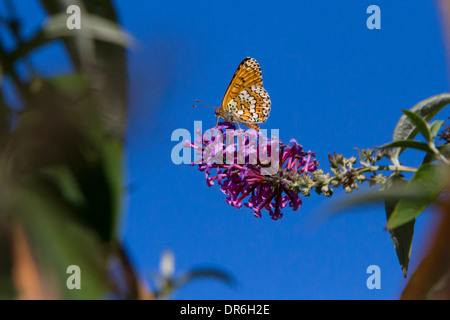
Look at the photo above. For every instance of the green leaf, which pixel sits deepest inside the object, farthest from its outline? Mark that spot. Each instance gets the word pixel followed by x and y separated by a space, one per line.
pixel 434 128
pixel 401 236
pixel 58 241
pixel 72 85
pixel 419 122
pixel 5 120
pixel 364 198
pixel 428 108
pixel 412 144
pixel 112 160
pixel 429 179
pixel 107 76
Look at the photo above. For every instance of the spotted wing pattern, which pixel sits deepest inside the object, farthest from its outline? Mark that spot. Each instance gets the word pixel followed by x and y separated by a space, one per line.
pixel 248 74
pixel 250 107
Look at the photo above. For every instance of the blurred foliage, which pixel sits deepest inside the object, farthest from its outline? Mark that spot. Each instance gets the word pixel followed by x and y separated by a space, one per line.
pixel 61 157
pixel 166 281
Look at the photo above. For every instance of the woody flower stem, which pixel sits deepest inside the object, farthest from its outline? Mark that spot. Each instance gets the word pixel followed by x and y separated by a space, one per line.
pixel 438 154
pixel 359 171
pixel 344 173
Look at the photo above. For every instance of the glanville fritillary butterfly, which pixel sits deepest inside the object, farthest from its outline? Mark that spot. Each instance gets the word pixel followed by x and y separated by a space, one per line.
pixel 245 101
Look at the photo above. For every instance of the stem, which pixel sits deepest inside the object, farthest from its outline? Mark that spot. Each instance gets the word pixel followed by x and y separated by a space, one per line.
pixel 437 153
pixel 370 168
pixel 398 168
pixel 367 168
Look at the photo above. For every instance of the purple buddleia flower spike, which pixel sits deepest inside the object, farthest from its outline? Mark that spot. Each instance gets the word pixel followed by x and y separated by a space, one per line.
pixel 241 180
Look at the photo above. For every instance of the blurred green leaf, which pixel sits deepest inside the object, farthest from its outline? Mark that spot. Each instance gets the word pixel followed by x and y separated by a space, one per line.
pixel 106 77
pixel 7 290
pixel 431 279
pixel 428 179
pixel 5 117
pixel 74 86
pixel 64 182
pixel 92 26
pixel 373 196
pixel 59 241
pixel 69 183
pixel 171 284
pixel 95 158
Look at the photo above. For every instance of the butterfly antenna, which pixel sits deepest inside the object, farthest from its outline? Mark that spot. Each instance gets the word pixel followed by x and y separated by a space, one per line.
pixel 206 105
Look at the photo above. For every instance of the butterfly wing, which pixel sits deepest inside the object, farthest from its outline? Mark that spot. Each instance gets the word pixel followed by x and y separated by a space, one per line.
pixel 250 106
pixel 248 74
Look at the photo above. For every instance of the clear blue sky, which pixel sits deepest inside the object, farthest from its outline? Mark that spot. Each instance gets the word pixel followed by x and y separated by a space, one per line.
pixel 334 85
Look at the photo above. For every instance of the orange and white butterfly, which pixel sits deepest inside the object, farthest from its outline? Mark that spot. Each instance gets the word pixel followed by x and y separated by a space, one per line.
pixel 245 101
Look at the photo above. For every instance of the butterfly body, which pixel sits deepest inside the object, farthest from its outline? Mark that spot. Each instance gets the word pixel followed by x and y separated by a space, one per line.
pixel 246 101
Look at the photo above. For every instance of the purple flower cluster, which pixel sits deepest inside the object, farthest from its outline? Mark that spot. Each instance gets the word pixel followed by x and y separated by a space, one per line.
pixel 243 171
